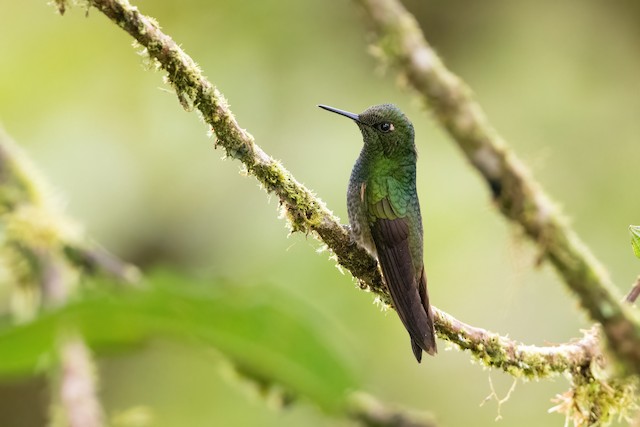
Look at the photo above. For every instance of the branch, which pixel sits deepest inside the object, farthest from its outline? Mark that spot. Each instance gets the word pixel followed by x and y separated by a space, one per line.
pixel 373 413
pixel 515 192
pixel 34 234
pixel 77 389
pixel 308 214
pixel 305 212
pixel 94 260
pixel 634 293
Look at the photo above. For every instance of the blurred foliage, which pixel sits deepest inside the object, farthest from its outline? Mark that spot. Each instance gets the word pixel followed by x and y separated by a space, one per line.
pixel 559 80
pixel 266 333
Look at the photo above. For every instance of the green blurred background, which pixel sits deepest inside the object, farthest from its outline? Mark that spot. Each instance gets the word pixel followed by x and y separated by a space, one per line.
pixel 559 80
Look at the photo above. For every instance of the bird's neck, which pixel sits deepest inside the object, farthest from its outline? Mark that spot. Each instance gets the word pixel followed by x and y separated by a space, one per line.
pixel 400 164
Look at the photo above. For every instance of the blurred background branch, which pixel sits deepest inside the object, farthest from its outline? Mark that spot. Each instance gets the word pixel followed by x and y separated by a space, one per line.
pixel 371 412
pixel 43 278
pixel 401 43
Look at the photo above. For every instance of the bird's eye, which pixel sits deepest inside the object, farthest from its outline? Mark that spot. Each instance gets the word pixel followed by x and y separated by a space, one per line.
pixel 385 127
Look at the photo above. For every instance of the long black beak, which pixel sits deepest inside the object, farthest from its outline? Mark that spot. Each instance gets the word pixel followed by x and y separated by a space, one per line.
pixel 341 112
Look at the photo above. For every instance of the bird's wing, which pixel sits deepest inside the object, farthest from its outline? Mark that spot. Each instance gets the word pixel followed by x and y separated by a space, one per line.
pixel 390 234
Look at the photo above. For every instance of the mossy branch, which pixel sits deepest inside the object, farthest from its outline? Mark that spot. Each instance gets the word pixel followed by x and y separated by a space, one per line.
pixel 518 196
pixel 308 214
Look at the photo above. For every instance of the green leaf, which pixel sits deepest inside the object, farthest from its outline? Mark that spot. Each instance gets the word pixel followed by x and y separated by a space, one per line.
pixel 264 331
pixel 635 239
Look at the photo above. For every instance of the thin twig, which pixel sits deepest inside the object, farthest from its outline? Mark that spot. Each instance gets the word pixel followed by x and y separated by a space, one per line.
pixel 633 294
pixel 500 401
pixel 307 213
pixel 94 259
pixel 518 196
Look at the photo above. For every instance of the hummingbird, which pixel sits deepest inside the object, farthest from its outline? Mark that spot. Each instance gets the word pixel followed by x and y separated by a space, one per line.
pixel 384 215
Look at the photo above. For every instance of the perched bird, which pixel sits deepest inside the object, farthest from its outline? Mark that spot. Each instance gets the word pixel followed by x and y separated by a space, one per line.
pixel 384 214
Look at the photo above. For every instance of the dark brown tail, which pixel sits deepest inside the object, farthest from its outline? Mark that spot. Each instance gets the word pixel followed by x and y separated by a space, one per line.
pixel 429 342
pixel 408 290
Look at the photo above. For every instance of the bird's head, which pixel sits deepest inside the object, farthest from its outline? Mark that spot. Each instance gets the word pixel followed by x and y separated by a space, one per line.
pixel 384 128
